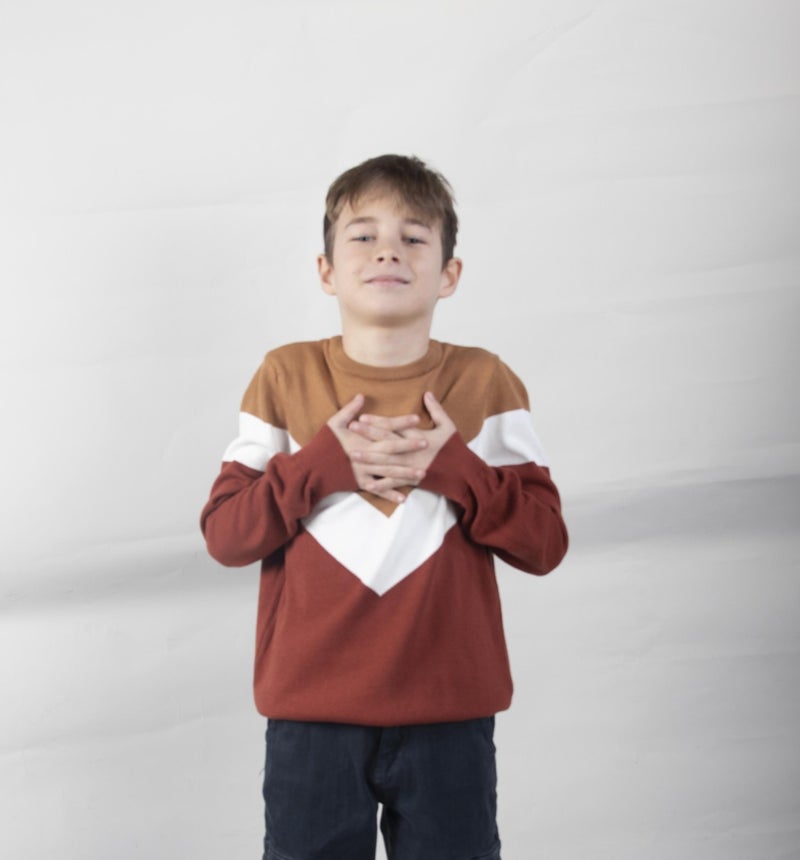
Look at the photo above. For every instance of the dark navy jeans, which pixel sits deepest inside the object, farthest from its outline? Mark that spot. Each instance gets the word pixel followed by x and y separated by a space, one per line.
pixel 437 784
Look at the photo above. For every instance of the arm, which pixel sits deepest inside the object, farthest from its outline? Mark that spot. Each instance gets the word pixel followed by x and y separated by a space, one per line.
pixel 251 514
pixel 514 510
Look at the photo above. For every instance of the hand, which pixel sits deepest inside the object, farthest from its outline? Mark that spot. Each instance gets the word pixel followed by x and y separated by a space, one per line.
pixel 379 429
pixel 380 461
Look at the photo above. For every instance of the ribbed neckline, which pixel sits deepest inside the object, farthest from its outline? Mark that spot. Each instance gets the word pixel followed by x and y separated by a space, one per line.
pixel 343 362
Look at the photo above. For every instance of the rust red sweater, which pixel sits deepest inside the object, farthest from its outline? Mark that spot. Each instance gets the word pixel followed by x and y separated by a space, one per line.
pixel 368 612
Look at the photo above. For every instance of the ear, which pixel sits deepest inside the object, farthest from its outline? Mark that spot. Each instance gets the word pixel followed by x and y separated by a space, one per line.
pixel 450 276
pixel 326 279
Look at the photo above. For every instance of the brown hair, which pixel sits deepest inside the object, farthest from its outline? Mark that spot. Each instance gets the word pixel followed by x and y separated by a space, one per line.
pixel 424 190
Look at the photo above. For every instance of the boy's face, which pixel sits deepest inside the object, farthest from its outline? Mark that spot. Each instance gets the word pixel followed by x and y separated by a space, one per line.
pixel 387 265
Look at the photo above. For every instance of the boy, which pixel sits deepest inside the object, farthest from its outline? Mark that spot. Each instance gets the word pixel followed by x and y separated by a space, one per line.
pixel 375 476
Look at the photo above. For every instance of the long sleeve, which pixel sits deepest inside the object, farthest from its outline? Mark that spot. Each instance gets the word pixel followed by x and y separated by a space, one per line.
pixel 513 510
pixel 500 481
pixel 268 480
pixel 251 514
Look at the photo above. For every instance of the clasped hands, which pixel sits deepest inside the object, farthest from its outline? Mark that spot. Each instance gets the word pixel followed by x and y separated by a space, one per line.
pixel 389 453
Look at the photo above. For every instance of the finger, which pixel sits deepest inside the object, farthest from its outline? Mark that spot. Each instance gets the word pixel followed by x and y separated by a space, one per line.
pixel 435 409
pixel 388 450
pixel 390 495
pixel 385 487
pixel 348 412
pixel 432 405
pixel 388 489
pixel 372 434
pixel 395 471
pixel 394 424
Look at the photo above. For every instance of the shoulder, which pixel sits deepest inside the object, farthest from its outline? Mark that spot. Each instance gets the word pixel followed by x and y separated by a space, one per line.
pixel 474 358
pixel 468 354
pixel 277 376
pixel 292 354
pixel 302 358
pixel 469 359
pixel 483 366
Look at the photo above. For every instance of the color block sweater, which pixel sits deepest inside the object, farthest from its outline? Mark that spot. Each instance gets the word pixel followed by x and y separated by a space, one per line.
pixel 369 612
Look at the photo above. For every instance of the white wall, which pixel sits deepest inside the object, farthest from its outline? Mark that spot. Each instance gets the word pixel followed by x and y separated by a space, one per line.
pixel 628 184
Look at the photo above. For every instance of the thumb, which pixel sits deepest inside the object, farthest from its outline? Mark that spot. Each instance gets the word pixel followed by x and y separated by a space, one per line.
pixel 435 409
pixel 348 412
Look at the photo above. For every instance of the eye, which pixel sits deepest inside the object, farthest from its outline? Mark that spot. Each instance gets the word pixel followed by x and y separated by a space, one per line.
pixel 364 238
pixel 415 240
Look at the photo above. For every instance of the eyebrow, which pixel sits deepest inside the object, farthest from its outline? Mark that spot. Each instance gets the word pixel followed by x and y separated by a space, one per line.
pixel 366 219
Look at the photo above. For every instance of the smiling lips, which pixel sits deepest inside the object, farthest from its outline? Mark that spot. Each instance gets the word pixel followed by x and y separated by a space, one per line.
pixel 387 280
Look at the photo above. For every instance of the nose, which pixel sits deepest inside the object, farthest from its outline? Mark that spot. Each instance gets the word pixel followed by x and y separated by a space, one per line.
pixel 387 252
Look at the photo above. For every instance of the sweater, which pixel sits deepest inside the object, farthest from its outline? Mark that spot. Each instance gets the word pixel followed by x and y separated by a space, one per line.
pixel 373 613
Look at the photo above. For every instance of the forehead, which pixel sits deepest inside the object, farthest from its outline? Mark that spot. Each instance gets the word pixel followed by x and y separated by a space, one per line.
pixel 382 206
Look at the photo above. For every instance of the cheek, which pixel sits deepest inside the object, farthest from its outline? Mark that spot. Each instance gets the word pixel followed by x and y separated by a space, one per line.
pixel 348 254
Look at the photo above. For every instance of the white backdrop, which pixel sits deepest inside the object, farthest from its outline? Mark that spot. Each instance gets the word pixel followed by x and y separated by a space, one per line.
pixel 629 190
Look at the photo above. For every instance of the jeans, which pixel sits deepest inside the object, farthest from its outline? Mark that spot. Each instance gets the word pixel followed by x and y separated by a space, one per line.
pixel 437 784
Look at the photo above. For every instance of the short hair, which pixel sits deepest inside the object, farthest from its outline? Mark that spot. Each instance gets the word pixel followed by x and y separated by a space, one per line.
pixel 422 189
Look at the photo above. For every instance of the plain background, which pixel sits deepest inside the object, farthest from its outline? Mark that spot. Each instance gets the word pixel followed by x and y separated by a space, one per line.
pixel 629 189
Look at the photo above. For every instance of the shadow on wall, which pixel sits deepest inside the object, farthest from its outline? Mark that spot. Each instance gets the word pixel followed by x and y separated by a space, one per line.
pixel 703 511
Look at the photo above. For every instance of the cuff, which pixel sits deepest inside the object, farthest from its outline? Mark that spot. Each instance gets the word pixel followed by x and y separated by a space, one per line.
pixel 451 469
pixel 323 465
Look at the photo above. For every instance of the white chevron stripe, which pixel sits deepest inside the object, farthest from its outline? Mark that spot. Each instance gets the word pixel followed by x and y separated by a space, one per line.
pixel 257 443
pixel 383 550
pixel 508 439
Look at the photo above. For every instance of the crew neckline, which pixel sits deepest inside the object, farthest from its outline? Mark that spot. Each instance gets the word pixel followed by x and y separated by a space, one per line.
pixel 422 365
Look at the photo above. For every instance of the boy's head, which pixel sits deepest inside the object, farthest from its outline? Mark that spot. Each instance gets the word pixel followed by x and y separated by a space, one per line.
pixel 422 190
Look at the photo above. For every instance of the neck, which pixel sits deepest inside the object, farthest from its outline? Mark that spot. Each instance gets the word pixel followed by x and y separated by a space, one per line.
pixel 380 347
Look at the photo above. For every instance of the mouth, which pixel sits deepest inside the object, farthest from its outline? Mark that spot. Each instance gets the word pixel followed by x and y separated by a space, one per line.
pixel 387 281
